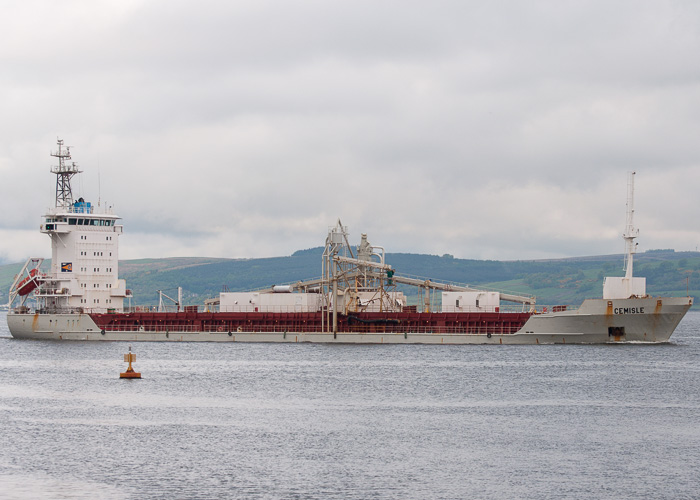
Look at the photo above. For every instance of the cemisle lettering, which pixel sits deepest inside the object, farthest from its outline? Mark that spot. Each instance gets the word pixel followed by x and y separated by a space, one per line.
pixel 629 310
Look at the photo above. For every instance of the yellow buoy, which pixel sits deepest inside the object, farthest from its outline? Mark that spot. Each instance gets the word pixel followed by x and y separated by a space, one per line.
pixel 130 373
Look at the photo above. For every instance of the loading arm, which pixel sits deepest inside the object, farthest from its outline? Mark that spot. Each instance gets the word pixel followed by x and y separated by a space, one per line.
pixel 446 287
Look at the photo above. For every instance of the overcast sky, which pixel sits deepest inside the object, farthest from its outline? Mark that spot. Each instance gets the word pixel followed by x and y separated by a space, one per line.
pixel 489 130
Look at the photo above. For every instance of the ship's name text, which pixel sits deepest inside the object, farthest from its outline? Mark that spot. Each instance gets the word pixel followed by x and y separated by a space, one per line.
pixel 629 310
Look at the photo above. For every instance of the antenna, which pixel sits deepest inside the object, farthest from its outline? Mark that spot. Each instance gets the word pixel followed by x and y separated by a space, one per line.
pixel 630 232
pixel 99 184
pixel 64 172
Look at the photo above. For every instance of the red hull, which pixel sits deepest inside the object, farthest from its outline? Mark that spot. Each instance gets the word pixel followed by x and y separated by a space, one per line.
pixel 403 322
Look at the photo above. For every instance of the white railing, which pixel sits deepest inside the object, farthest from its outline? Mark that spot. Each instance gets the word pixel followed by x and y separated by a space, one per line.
pixel 80 209
pixel 72 209
pixel 470 309
pixel 507 309
pixel 278 329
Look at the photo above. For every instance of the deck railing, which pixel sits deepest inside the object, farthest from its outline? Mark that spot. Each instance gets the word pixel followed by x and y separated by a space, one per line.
pixel 355 329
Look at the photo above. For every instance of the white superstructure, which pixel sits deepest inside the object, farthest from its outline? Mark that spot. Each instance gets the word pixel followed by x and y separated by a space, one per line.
pixel 84 252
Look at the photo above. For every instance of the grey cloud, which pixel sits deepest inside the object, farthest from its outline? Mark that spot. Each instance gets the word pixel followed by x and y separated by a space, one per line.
pixel 449 118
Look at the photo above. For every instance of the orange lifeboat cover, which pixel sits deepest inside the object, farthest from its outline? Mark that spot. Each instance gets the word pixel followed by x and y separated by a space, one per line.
pixel 28 284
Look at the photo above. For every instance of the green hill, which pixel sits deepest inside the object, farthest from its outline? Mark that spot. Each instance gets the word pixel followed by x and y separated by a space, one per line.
pixel 560 281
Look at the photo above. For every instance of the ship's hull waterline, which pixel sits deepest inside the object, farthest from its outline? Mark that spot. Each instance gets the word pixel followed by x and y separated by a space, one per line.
pixel 597 321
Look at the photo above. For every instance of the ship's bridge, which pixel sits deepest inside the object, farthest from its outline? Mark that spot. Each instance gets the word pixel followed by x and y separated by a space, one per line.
pixel 80 213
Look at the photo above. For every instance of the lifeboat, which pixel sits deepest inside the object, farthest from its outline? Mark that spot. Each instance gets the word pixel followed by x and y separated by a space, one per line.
pixel 28 284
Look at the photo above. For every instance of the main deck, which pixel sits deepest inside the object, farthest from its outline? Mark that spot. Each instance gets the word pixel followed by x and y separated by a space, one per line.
pixel 270 322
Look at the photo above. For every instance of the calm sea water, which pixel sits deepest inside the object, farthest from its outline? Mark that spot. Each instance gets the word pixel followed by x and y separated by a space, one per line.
pixel 256 421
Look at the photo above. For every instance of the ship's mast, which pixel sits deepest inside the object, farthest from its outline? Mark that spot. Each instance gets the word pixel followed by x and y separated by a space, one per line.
pixel 64 172
pixel 630 232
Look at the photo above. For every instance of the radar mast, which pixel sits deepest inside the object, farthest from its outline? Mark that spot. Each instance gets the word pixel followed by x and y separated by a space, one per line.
pixel 630 231
pixel 64 172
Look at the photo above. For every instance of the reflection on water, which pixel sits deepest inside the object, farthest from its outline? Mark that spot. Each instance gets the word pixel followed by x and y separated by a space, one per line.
pixel 336 421
pixel 19 486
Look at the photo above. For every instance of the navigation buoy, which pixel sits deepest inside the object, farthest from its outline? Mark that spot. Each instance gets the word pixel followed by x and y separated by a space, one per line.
pixel 129 373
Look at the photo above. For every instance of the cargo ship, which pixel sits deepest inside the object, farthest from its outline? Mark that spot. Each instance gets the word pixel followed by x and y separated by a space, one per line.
pixel 359 297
